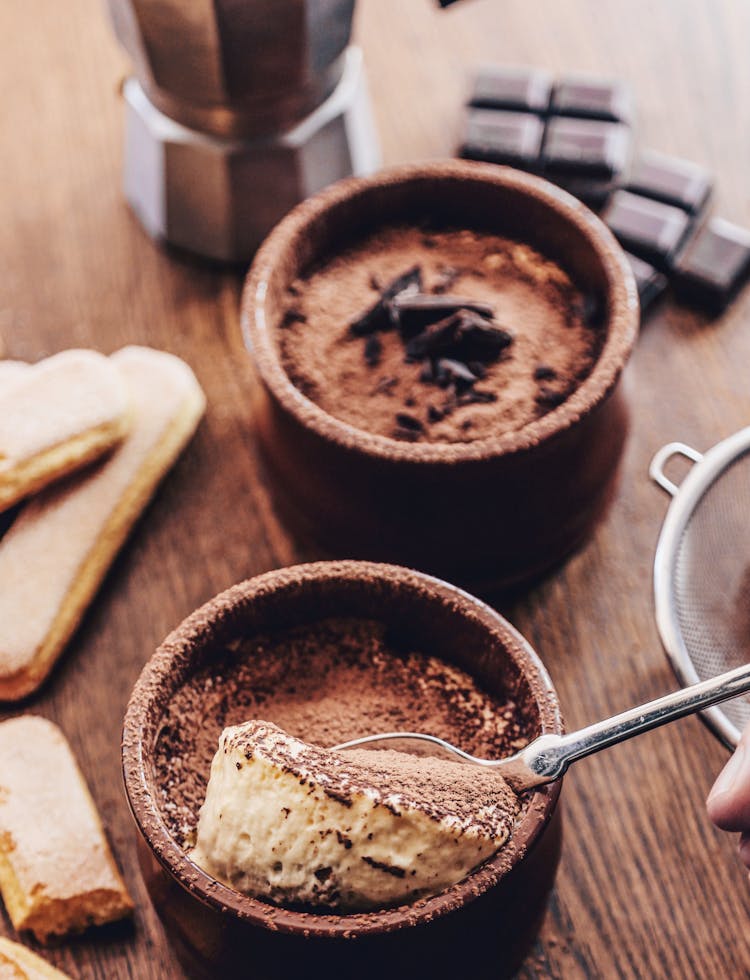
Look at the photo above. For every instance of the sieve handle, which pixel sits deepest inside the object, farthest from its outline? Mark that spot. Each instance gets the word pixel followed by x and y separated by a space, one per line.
pixel 550 755
pixel 656 469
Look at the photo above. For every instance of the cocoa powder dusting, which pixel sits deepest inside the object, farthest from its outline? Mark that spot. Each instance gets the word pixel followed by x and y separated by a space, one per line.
pixel 343 354
pixel 325 683
pixel 473 798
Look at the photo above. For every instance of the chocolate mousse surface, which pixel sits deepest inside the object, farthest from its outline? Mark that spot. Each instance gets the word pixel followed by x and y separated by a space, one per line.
pixel 323 683
pixel 438 335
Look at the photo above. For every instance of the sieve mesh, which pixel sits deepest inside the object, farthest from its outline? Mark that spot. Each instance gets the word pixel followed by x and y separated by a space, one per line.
pixel 711 580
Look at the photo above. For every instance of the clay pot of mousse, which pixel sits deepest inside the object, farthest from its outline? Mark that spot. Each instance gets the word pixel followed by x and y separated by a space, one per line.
pixel 494 512
pixel 481 926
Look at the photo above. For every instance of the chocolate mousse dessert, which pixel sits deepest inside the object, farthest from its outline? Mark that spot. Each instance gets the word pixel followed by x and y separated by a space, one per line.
pixel 351 830
pixel 442 335
pixel 286 819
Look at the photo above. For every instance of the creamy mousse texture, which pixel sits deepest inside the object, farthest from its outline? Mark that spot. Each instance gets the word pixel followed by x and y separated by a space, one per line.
pixel 299 824
pixel 323 683
pixel 443 335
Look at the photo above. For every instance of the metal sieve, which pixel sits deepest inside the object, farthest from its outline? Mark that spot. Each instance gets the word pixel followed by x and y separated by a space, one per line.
pixel 702 570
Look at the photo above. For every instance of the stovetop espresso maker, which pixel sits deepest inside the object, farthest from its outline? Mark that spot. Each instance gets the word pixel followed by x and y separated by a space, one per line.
pixel 238 109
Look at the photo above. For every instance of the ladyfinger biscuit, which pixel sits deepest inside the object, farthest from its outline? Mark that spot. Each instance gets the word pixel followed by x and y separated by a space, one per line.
pixel 55 417
pixel 57 873
pixel 17 962
pixel 56 553
pixel 11 371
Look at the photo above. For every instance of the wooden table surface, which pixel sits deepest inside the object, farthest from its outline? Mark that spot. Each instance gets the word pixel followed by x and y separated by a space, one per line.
pixel 647 888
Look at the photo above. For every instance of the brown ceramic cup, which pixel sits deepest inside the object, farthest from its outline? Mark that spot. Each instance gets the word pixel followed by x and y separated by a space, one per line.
pixel 481 926
pixel 493 512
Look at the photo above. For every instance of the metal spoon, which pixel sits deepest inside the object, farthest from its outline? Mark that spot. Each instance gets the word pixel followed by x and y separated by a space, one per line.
pixel 547 758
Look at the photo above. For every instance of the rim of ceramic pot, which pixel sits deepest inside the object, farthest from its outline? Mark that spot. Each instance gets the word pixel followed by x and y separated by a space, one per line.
pixel 622 309
pixel 171 664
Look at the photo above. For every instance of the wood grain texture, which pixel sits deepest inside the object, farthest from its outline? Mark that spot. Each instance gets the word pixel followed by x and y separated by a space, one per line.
pixel 646 887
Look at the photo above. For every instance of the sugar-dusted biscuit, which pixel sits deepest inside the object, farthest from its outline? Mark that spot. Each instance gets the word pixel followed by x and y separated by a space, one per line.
pixel 55 417
pixel 17 962
pixel 57 873
pixel 57 552
pixel 12 371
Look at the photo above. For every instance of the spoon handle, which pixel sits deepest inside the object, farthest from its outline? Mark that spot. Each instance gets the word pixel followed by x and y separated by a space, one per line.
pixel 547 757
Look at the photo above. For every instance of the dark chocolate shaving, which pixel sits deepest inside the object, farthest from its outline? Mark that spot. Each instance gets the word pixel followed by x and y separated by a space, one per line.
pixel 545 373
pixel 436 337
pixel 550 398
pixel 388 868
pixel 428 374
pixel 413 312
pixel 476 395
pixel 379 316
pixel 386 384
pixel 463 334
pixel 454 372
pixel 373 350
pixel 454 336
pixel 406 421
pixel 293 315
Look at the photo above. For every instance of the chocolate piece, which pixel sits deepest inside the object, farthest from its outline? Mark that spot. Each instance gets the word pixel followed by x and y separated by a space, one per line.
pixel 434 338
pixel 478 338
pixel 591 190
pixel 450 371
pixel 593 98
pixel 386 384
pixel 464 333
pixel 413 312
pixel 502 136
pixel 522 89
pixel 714 264
pixel 585 147
pixel 477 395
pixel 651 230
pixel 407 421
pixel 544 373
pixel 428 373
pixel 378 316
pixel 650 282
pixel 548 398
pixel 373 350
pixel 671 180
pixel 292 315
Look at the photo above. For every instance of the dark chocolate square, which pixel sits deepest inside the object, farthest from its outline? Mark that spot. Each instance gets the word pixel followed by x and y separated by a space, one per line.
pixel 523 89
pixel 672 180
pixel 714 264
pixel 591 191
pixel 651 230
pixel 585 148
pixel 503 137
pixel 592 98
pixel 650 282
